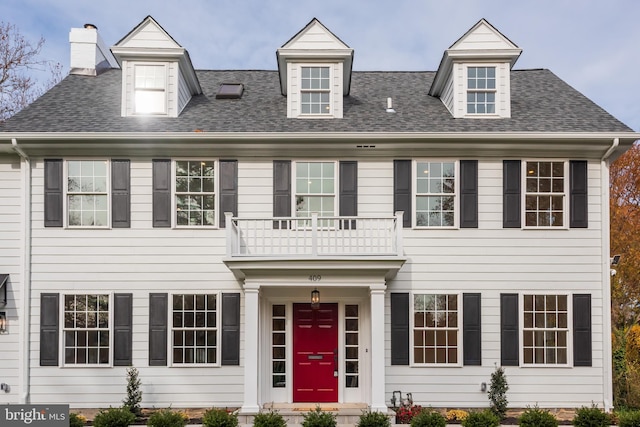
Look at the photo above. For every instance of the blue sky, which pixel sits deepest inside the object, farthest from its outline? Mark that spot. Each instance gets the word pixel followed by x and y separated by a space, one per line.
pixel 592 45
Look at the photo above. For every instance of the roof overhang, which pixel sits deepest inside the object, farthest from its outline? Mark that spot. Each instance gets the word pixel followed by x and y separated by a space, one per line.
pixel 246 268
pixel 322 144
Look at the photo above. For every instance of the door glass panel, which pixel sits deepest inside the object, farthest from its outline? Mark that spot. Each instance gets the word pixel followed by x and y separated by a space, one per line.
pixel 351 353
pixel 278 342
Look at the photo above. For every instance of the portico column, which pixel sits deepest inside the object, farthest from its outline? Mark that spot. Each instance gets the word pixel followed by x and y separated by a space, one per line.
pixel 377 349
pixel 251 315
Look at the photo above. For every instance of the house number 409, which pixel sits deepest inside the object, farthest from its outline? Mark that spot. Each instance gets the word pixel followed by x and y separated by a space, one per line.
pixel 315 278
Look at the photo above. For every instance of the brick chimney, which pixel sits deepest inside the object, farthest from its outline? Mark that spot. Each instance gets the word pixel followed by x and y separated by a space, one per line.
pixel 89 55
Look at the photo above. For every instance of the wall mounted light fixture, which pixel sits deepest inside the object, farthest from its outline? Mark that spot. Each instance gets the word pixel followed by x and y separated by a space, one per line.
pixel 3 322
pixel 315 298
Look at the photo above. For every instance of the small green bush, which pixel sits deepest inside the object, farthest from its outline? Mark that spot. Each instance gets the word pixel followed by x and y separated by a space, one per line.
pixel 428 418
pixel 536 417
pixel 219 418
pixel 167 418
pixel 373 419
pixel 269 419
pixel 591 417
pixel 629 419
pixel 498 392
pixel 76 420
pixel 484 418
pixel 114 417
pixel 318 418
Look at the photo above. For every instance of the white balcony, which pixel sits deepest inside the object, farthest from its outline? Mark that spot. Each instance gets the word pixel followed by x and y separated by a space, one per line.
pixel 314 237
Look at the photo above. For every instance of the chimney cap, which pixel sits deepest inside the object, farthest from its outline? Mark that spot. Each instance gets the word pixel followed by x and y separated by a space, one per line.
pixel 90 26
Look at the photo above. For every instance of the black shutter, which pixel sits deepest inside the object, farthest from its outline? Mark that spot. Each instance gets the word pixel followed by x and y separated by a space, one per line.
pixel 399 328
pixel 281 191
pixel 162 193
pixel 402 190
pixel 228 189
pixel 471 329
pixel 348 192
pixel 120 194
pixel 122 329
pixel 230 329
pixel 582 330
pixel 578 200
pixel 511 216
pixel 158 306
pixel 49 335
pixel 468 193
pixel 53 193
pixel 509 342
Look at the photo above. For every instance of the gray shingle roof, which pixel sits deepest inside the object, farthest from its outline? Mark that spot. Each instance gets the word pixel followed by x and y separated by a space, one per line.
pixel 541 102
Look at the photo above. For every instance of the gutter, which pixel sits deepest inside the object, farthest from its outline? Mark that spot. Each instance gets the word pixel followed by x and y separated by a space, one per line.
pixel 25 311
pixel 607 154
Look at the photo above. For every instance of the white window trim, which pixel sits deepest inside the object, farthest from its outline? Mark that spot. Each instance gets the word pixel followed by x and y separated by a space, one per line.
pixel 61 352
pixel 331 113
pixel 132 90
pixel 288 330
pixel 412 362
pixel 65 208
pixel 414 194
pixel 336 186
pixel 523 196
pixel 218 363
pixel 569 363
pixel 174 203
pixel 496 91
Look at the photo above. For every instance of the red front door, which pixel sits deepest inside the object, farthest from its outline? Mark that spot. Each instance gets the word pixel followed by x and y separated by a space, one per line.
pixel 315 353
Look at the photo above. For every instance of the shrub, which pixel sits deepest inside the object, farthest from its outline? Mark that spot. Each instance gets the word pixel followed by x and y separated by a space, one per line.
pixel 484 418
pixel 269 419
pixel 498 392
pixel 219 418
pixel 318 418
pixel 114 417
pixel 629 419
pixel 405 414
pixel 167 418
pixel 536 417
pixel 134 394
pixel 428 418
pixel 373 419
pixel 591 417
pixel 76 420
pixel 456 415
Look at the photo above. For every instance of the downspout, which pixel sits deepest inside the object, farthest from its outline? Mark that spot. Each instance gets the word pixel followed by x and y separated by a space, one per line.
pixel 607 363
pixel 26 277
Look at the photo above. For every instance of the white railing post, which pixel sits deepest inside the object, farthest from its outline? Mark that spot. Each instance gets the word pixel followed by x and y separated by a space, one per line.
pixel 399 227
pixel 228 218
pixel 314 234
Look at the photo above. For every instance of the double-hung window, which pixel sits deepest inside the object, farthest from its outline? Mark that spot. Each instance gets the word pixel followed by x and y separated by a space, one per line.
pixel 150 89
pixel 436 330
pixel 87 193
pixel 545 329
pixel 315 90
pixel 194 319
pixel 436 193
pixel 481 90
pixel 86 330
pixel 545 193
pixel 195 195
pixel 315 189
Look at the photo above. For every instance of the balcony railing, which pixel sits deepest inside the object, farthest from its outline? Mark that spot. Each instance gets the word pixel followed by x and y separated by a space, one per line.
pixel 314 236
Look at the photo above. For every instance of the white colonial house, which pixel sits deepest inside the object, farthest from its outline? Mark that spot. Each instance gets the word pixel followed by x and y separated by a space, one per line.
pixel 307 234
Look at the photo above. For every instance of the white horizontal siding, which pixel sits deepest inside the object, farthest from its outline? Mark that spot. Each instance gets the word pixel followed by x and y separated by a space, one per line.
pixel 11 252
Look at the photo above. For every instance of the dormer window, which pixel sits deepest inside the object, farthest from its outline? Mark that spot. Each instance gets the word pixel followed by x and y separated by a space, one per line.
pixel 315 94
pixel 150 86
pixel 481 90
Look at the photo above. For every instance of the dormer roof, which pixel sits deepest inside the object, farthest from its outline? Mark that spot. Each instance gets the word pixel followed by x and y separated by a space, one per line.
pixel 483 42
pixel 148 41
pixel 315 43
